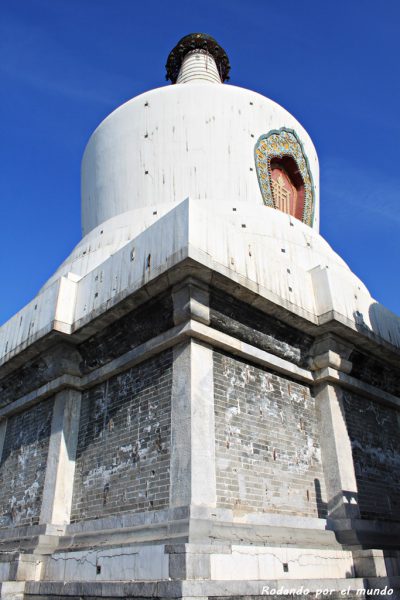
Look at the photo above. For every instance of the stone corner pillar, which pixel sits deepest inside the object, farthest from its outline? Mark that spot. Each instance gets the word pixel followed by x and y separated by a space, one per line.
pixel 60 468
pixel 191 301
pixel 192 405
pixel 331 356
pixel 192 474
pixel 337 457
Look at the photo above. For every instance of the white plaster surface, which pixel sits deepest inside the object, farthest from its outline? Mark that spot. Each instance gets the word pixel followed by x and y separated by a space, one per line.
pixel 192 140
pixel 252 563
pixel 198 66
pixel 124 563
pixel 34 320
pixel 171 174
pixel 274 255
pixel 106 239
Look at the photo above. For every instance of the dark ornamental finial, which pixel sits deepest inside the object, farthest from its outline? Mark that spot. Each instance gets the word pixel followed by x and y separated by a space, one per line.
pixel 195 41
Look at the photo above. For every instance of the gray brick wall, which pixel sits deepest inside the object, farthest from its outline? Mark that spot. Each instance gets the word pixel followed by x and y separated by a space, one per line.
pixel 31 375
pixel 143 323
pixel 131 330
pixel 251 325
pixel 374 431
pixel 23 465
pixel 375 372
pixel 124 442
pixel 267 444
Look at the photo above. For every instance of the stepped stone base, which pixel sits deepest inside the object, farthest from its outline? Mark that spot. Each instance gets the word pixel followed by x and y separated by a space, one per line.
pixel 198 590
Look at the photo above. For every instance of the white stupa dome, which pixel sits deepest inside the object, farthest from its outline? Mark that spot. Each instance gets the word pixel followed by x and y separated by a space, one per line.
pixel 209 172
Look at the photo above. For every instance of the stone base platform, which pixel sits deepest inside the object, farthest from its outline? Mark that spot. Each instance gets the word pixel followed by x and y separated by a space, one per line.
pixel 312 589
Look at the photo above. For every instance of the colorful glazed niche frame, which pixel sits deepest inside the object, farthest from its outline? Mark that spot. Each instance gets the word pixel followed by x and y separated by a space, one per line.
pixel 278 144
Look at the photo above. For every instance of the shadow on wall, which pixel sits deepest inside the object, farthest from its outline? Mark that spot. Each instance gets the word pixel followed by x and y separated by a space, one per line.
pixel 322 507
pixel 383 323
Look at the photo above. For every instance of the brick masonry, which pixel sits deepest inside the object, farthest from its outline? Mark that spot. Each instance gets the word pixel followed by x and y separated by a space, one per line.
pixel 255 327
pixel 374 431
pixel 375 372
pixel 267 443
pixel 23 465
pixel 147 321
pixel 123 449
pixel 131 330
pixel 32 375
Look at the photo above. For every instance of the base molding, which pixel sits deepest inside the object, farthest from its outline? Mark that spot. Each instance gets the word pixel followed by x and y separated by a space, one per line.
pixel 299 588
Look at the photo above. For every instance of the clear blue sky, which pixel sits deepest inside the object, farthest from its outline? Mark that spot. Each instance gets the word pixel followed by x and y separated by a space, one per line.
pixel 66 64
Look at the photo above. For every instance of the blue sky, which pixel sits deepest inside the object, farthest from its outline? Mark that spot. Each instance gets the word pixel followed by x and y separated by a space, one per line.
pixel 66 64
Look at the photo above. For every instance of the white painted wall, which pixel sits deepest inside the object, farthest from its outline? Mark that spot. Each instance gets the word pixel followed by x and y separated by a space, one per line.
pixel 274 254
pixel 250 562
pixel 130 563
pixel 198 65
pixel 192 140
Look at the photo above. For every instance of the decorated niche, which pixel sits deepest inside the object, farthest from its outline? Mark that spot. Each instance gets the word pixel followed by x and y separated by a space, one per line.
pixel 284 175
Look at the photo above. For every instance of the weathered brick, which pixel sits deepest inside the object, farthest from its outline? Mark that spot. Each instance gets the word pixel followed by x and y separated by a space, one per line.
pixel 138 326
pixel 374 432
pixel 23 465
pixel 124 442
pixel 250 325
pixel 374 372
pixel 267 443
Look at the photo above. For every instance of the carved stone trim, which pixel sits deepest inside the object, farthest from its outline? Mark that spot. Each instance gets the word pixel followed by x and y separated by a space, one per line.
pixel 277 144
